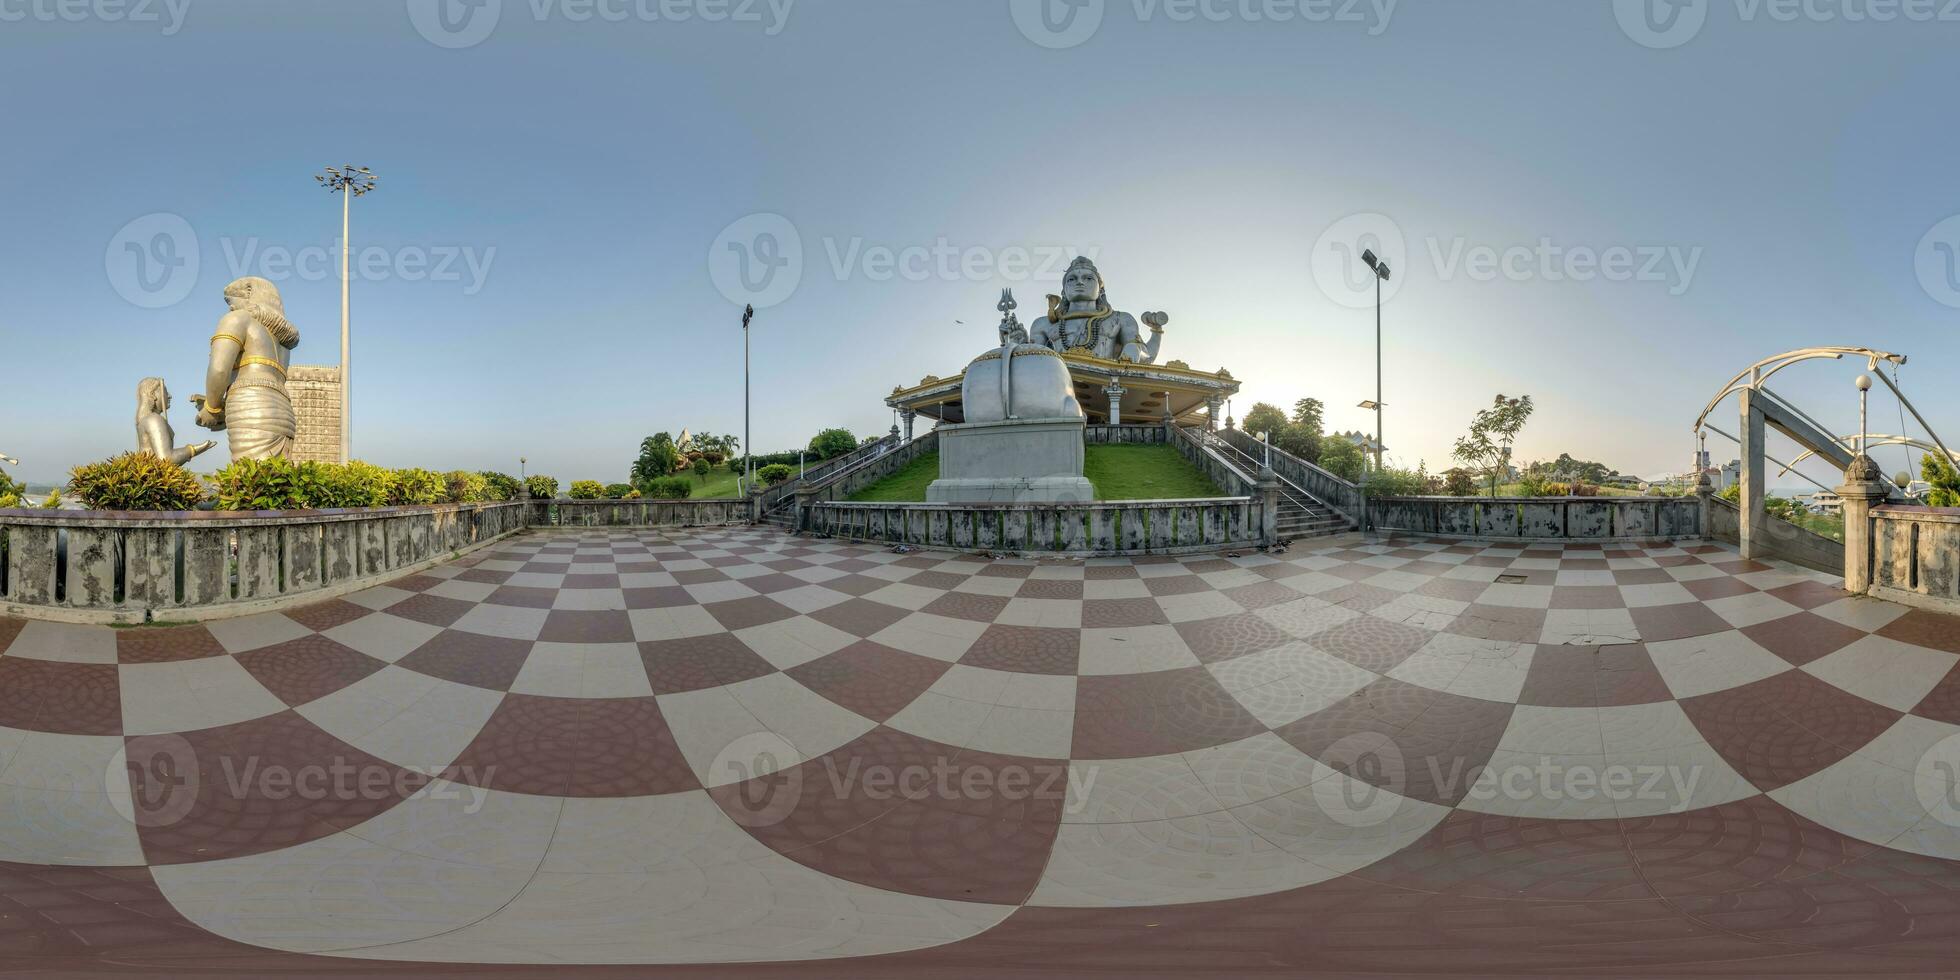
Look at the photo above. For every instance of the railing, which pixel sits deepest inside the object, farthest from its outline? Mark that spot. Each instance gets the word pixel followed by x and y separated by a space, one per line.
pixel 1782 539
pixel 783 494
pixel 711 512
pixel 1311 508
pixel 1337 494
pixel 1915 555
pixel 1556 518
pixel 842 484
pixel 105 566
pixel 1226 476
pixel 1127 434
pixel 1112 527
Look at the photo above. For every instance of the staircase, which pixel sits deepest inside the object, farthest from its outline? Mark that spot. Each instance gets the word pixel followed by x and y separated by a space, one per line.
pixel 1301 514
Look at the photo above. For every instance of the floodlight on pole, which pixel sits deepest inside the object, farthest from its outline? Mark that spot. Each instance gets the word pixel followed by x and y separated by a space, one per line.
pixel 349 182
pixel 1381 271
pixel 748 452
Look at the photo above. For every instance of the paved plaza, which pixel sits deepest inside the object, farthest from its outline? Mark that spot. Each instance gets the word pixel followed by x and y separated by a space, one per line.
pixel 637 746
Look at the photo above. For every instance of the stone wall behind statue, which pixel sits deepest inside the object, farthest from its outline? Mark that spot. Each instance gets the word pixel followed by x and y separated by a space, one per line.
pixel 316 400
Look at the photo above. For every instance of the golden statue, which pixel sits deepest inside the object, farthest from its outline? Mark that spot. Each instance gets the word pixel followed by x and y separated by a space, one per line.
pixel 245 385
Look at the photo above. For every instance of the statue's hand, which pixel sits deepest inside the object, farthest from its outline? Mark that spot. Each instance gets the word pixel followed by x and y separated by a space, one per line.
pixel 209 421
pixel 1156 321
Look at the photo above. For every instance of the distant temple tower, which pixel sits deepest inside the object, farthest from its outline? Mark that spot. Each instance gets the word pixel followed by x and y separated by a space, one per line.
pixel 316 401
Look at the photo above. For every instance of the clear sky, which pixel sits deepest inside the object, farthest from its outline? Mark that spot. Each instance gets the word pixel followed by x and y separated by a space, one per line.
pixel 1664 201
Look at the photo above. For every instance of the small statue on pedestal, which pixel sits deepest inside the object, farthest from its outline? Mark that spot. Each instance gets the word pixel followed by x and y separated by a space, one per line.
pixel 153 432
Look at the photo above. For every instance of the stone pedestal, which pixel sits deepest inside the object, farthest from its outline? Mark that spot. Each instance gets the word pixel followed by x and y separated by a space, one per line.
pixel 1012 461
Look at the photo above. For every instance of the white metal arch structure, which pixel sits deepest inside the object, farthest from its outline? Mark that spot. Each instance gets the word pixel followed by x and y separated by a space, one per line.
pixel 1873 441
pixel 1763 408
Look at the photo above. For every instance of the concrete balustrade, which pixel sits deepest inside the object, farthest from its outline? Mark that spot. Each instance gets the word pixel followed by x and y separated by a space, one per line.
pixel 1540 518
pixel 99 566
pixel 1109 527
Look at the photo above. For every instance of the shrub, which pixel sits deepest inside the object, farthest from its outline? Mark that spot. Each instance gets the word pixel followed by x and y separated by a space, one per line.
pixel 1392 482
pixel 587 490
pixel 53 501
pixel 669 488
pixel 268 484
pixel 631 495
pixel 465 487
pixel 618 491
pixel 832 442
pixel 774 473
pixel 542 487
pixel 1536 485
pixel 417 486
pixel 354 484
pixel 1342 458
pixel 135 481
pixel 701 468
pixel 10 488
pixel 1943 478
pixel 499 486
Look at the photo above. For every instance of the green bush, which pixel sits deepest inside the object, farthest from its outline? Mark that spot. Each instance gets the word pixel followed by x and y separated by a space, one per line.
pixel 500 486
pixel 53 501
pixel 1945 480
pixel 135 481
pixel 669 488
pixel 587 490
pixel 542 487
pixel 1342 458
pixel 9 501
pixel 354 484
pixel 618 491
pixel 465 487
pixel 774 473
pixel 268 484
pixel 1392 482
pixel 417 486
pixel 831 443
pixel 9 487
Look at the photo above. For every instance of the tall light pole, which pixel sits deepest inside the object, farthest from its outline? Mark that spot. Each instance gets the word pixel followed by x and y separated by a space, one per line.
pixel 349 182
pixel 748 452
pixel 1380 269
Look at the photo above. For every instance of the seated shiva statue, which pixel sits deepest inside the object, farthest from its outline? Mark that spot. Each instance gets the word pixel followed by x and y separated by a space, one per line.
pixel 1017 380
pixel 1080 320
pixel 153 432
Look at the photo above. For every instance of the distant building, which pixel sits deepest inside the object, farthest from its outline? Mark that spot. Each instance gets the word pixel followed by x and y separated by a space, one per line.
pixel 1362 440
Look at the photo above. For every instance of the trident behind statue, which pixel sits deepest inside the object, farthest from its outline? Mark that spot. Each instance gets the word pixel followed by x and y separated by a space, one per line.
pixel 1012 335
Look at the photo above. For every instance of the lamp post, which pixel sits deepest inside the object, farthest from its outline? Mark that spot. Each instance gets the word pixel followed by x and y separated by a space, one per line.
pixel 9 460
pixel 349 182
pixel 1380 269
pixel 748 453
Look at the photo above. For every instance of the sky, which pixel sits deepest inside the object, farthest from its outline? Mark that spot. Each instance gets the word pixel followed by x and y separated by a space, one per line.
pixel 1612 207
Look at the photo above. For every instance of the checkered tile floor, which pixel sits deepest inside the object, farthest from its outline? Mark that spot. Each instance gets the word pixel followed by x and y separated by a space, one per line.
pixel 639 746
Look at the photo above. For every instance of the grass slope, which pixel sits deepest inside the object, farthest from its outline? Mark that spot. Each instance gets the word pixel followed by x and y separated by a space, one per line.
pixel 1117 472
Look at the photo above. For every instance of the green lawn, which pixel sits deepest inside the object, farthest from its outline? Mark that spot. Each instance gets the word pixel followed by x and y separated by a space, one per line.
pixel 721 483
pixel 1118 473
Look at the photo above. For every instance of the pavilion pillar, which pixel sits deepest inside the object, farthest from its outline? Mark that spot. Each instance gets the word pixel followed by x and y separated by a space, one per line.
pixel 1115 392
pixel 1754 524
pixel 907 416
pixel 1212 407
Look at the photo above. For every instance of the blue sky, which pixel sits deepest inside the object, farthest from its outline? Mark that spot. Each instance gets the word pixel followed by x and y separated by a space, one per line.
pixel 1766 183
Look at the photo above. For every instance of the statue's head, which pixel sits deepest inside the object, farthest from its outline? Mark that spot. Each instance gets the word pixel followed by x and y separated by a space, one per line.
pixel 1082 283
pixel 253 291
pixel 152 396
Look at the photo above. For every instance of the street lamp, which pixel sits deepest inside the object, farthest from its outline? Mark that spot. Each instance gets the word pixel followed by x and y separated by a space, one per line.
pixel 349 182
pixel 748 451
pixel 1380 269
pixel 9 460
pixel 1371 405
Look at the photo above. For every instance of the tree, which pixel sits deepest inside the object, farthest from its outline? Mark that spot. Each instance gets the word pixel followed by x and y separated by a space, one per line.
pixel 1266 418
pixel 658 457
pixel 701 467
pixel 1492 433
pixel 832 442
pixel 1307 412
pixel 1459 482
pixel 1938 471
pixel 1342 458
